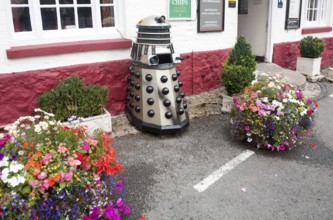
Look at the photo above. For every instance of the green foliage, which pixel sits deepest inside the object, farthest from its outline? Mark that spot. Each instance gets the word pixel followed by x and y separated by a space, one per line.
pixel 311 47
pixel 242 55
pixel 239 68
pixel 236 77
pixel 73 97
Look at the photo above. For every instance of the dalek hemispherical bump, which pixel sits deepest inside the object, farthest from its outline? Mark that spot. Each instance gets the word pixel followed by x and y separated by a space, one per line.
pixel 157 104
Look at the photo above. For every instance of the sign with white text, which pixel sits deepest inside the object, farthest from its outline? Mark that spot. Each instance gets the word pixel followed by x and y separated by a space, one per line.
pixel 180 9
pixel 211 15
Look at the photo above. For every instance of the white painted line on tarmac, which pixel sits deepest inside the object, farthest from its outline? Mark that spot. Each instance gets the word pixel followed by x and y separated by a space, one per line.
pixel 216 175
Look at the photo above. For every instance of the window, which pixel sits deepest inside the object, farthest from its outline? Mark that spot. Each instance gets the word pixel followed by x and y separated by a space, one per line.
pixel 41 19
pixel 316 13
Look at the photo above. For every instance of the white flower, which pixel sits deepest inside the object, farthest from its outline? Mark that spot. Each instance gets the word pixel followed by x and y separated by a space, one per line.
pixel 21 152
pixel 4 162
pixel 249 140
pixel 51 122
pixel 265 99
pixel 277 118
pixel 13 181
pixel 284 100
pixel 37 116
pixel 38 128
pixel 271 84
pixel 15 167
pixel 20 179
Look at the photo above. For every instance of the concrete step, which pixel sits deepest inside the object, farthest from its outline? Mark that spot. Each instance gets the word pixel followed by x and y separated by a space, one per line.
pixel 290 76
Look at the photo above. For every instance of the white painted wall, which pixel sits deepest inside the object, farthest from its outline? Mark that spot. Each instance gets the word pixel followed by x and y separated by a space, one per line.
pixel 276 26
pixel 184 36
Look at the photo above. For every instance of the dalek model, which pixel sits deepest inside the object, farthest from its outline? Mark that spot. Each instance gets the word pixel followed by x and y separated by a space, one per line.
pixel 155 102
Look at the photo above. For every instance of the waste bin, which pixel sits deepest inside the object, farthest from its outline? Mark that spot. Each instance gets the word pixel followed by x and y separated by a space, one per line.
pixel 155 101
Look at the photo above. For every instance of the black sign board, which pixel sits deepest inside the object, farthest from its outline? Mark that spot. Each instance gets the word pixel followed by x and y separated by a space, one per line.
pixel 293 15
pixel 211 15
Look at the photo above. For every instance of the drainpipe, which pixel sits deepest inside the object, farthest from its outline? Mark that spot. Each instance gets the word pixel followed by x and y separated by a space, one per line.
pixel 269 44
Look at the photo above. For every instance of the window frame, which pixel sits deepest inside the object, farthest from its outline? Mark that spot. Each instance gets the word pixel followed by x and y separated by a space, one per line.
pixel 39 36
pixel 322 15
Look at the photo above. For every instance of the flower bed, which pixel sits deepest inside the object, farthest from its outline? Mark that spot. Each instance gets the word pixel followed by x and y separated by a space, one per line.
pixel 273 115
pixel 49 171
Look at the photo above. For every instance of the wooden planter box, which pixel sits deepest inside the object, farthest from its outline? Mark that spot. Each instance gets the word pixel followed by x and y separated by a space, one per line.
pixel 95 122
pixel 308 66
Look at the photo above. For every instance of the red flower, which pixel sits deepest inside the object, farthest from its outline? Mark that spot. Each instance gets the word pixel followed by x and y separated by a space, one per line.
pixel 108 164
pixel 84 161
pixel 107 140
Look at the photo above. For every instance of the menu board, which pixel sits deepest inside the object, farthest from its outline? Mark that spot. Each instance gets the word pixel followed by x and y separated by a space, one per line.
pixel 211 15
pixel 293 15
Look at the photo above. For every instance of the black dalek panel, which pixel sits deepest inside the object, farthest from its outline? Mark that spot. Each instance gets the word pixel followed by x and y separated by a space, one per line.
pixel 155 101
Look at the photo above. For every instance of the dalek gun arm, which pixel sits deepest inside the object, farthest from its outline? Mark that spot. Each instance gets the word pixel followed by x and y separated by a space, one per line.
pixel 177 58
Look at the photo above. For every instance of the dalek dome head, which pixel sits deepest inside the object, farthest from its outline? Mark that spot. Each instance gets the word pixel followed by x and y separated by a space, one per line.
pixel 153 22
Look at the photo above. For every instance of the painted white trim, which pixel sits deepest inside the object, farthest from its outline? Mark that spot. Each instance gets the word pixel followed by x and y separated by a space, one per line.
pixel 269 45
pixel 216 175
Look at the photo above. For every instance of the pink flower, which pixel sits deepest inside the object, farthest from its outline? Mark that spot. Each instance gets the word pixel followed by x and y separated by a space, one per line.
pixel 62 150
pixel 308 132
pixel 47 157
pixel 127 210
pixel 86 146
pixel 45 185
pixel 66 176
pixel 258 103
pixel 310 111
pixel 279 113
pixel 309 102
pixel 42 175
pixel 96 177
pixel 280 148
pixel 92 141
pixel 247 128
pixel 242 106
pixel 286 143
pixel 236 102
pixel 72 162
pixel 33 183
pixel 299 94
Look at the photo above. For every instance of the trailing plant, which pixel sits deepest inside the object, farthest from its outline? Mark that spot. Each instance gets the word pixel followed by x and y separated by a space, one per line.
pixel 273 115
pixel 73 97
pixel 49 171
pixel 311 47
pixel 238 69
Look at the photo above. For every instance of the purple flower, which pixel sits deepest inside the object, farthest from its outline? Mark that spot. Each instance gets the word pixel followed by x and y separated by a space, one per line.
pixel 86 146
pixel 120 203
pixel 119 185
pixel 127 210
pixel 258 103
pixel 4 140
pixel 279 113
pixel 1 156
pixel 14 157
pixel 109 212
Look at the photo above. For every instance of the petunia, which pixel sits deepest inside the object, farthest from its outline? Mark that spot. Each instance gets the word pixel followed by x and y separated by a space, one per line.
pixel 33 183
pixel 15 167
pixel 247 128
pixel 120 203
pixel 86 146
pixel 127 210
pixel 47 157
pixel 310 111
pixel 42 175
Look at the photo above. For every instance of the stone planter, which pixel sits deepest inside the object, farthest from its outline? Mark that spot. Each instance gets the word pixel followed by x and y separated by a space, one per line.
pixel 308 66
pixel 95 122
pixel 227 103
pixel 330 74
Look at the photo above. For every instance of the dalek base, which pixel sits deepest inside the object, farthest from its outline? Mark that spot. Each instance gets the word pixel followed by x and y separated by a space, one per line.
pixel 155 129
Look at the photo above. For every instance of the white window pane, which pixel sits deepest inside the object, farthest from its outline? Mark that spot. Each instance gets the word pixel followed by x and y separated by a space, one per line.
pixel 107 16
pixel 49 18
pixel 21 19
pixel 85 17
pixel 67 18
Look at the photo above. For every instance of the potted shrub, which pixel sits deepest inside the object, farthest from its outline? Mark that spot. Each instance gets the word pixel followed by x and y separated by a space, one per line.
pixel 238 71
pixel 50 171
pixel 74 102
pixel 273 115
pixel 310 60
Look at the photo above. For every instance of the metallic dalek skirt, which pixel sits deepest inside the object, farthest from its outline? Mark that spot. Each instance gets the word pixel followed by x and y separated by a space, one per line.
pixel 155 101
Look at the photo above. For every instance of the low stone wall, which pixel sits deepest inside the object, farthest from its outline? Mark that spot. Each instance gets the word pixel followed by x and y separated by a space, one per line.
pixel 200 71
pixel 285 54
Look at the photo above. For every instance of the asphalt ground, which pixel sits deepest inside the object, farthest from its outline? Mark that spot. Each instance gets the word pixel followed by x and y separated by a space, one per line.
pixel 161 171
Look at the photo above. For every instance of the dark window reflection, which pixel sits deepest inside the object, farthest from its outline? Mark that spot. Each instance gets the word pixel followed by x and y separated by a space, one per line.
pixel 83 1
pixel 67 18
pixel 85 17
pixel 106 1
pixel 47 2
pixel 21 19
pixel 107 16
pixel 18 2
pixel 66 1
pixel 49 18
